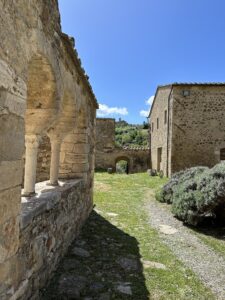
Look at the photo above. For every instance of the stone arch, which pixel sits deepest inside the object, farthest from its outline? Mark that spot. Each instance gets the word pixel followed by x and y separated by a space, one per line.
pixel 41 112
pixel 42 97
pixel 62 128
pixel 124 158
pixel 82 116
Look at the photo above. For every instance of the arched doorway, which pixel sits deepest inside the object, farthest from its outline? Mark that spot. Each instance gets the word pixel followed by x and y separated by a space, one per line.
pixel 122 165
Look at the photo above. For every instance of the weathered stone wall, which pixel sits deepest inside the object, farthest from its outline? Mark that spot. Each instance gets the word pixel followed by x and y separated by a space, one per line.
pixel 138 159
pixel 196 132
pixel 159 136
pixel 107 155
pixel 44 159
pixel 43 89
pixel 198 126
pixel 105 133
pixel 49 223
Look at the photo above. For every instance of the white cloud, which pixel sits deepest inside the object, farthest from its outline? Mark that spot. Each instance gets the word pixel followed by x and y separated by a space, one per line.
pixel 105 110
pixel 145 113
pixel 149 101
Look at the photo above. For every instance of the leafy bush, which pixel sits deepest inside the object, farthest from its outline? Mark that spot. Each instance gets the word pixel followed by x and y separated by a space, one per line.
pixel 166 194
pixel 121 166
pixel 196 194
pixel 131 135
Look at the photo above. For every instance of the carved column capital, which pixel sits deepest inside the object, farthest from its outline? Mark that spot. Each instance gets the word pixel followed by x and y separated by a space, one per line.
pixel 55 137
pixel 32 141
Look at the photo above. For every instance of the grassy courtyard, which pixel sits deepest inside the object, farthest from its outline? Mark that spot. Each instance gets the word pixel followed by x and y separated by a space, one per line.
pixel 121 201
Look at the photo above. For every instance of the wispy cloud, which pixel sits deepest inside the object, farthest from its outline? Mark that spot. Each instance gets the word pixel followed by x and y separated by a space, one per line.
pixel 145 113
pixel 105 110
pixel 149 101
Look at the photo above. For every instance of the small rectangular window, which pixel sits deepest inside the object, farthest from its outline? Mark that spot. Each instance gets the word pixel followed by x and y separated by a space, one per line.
pixel 165 117
pixel 152 126
pixel 157 123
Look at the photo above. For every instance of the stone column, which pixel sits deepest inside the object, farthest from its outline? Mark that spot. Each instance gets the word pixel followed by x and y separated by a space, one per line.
pixel 55 159
pixel 32 143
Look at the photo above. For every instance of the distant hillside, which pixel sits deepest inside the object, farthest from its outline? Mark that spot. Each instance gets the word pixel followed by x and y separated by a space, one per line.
pixel 131 135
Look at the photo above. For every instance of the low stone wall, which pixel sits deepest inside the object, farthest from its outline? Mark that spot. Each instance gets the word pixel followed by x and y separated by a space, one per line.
pixel 138 159
pixel 49 223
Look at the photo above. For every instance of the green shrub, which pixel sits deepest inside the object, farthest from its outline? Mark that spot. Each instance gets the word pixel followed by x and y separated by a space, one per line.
pixel 196 194
pixel 166 194
pixel 121 166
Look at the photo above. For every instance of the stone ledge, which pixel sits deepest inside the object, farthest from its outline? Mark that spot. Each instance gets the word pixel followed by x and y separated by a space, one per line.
pixel 45 199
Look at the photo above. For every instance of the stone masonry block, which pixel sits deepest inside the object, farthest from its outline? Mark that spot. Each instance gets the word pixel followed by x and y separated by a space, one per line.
pixel 13 170
pixel 9 238
pixel 10 204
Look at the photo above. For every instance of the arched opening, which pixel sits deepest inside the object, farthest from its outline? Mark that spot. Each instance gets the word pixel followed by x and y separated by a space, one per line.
pixel 76 146
pixel 42 102
pixel 41 112
pixel 62 128
pixel 122 165
pixel 82 117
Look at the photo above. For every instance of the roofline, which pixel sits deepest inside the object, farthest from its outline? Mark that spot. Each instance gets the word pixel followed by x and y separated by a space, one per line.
pixel 183 84
pixel 77 62
pixel 105 119
pixel 158 88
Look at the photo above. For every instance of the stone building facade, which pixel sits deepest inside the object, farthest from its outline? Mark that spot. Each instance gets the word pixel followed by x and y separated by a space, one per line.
pixel 107 154
pixel 47 120
pixel 187 126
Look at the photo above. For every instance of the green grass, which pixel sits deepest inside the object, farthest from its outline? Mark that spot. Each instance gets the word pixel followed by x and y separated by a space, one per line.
pixel 126 195
pixel 214 238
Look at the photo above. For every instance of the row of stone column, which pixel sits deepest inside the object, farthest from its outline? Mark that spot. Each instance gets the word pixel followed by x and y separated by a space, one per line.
pixel 32 143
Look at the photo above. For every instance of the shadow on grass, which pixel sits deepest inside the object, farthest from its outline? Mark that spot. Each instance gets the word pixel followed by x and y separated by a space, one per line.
pixel 103 263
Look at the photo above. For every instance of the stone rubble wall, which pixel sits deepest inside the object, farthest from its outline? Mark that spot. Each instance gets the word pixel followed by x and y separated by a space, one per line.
pixel 198 126
pixel 105 133
pixel 138 160
pixel 44 159
pixel 196 132
pixel 48 225
pixel 107 155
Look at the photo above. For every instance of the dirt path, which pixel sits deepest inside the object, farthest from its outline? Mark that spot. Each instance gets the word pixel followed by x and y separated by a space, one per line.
pixel 205 263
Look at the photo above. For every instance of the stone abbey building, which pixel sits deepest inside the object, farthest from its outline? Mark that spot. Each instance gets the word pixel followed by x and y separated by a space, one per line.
pixel 107 154
pixel 187 123
pixel 47 134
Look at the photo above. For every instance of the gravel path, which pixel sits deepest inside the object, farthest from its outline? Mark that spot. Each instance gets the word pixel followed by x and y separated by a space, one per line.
pixel 202 260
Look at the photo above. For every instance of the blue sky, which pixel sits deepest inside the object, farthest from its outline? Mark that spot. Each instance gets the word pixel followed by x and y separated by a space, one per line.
pixel 129 47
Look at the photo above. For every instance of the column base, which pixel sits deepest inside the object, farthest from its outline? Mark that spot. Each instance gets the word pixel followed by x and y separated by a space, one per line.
pixel 28 195
pixel 53 184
